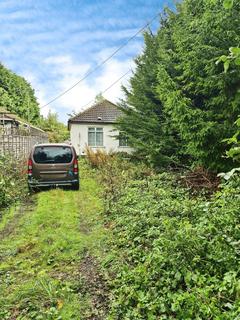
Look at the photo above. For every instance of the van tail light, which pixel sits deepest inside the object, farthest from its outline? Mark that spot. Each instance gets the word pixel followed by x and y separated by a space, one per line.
pixel 30 163
pixel 75 166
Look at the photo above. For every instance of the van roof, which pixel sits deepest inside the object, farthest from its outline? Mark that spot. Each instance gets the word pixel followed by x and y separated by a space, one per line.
pixel 53 145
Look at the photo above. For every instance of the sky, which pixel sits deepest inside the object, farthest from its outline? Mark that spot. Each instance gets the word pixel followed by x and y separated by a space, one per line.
pixel 54 43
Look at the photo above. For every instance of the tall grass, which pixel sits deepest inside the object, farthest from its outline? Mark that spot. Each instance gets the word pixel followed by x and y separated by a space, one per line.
pixel 41 259
pixel 98 157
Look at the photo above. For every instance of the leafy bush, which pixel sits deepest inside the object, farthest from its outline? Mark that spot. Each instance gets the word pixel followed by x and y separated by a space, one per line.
pixel 234 141
pixel 173 256
pixel 12 180
pixel 115 174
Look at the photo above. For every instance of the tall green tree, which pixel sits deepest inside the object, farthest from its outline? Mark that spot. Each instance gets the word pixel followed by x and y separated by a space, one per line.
pixel 183 104
pixel 201 99
pixel 232 59
pixel 99 98
pixel 57 131
pixel 143 120
pixel 17 95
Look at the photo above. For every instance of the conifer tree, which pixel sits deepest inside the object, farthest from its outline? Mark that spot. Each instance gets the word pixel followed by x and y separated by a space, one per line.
pixel 181 104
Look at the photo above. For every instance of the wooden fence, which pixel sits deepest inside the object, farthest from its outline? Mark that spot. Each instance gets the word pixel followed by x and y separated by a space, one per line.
pixel 19 145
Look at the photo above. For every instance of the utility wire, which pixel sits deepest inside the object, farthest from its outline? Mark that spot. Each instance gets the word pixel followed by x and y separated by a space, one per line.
pixel 102 63
pixel 105 90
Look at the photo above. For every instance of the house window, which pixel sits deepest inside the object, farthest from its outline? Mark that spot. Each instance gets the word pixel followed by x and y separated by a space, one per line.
pixel 123 140
pixel 95 137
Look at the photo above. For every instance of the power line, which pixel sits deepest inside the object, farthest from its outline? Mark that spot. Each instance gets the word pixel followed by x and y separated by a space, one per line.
pixel 102 63
pixel 105 90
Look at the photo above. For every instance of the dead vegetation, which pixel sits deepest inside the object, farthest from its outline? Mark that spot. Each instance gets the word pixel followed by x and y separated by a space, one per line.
pixel 98 157
pixel 201 180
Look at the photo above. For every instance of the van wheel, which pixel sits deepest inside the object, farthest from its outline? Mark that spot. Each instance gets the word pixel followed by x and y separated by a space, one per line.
pixel 32 189
pixel 75 186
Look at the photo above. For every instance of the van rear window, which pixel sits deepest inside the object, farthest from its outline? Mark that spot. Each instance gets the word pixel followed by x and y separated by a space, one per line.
pixel 52 154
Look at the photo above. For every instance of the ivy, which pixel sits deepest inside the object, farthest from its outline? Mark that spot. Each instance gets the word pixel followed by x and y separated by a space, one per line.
pixel 172 256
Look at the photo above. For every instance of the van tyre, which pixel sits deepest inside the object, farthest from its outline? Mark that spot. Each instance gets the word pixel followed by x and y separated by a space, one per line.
pixel 32 189
pixel 75 186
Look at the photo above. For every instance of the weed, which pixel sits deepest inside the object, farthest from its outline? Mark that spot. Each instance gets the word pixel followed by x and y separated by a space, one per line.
pixel 98 157
pixel 42 252
pixel 172 256
pixel 12 181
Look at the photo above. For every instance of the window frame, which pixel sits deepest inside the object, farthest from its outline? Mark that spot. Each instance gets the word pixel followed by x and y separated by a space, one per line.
pixel 122 137
pixel 96 130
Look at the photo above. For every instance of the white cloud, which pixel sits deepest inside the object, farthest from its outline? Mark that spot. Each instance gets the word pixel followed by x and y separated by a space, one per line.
pixel 55 44
pixel 69 72
pixel 40 93
pixel 65 72
pixel 64 65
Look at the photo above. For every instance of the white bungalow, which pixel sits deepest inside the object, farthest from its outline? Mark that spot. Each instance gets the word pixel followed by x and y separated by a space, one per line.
pixel 94 127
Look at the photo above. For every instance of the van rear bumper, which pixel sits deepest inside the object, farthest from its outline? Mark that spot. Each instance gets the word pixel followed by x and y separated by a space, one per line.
pixel 52 183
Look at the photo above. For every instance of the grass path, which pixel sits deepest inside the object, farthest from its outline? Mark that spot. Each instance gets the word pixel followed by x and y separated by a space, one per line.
pixel 47 256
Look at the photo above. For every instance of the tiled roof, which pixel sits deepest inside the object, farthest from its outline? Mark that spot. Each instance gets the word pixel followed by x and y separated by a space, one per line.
pixel 102 112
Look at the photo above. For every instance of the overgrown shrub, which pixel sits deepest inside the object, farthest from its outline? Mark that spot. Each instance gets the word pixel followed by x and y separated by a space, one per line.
pixel 96 158
pixel 12 180
pixel 173 256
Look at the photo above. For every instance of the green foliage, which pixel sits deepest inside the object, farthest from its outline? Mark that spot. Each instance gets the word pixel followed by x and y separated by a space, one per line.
pixel 16 95
pixel 12 181
pixel 234 141
pixel 115 174
pixel 201 101
pixel 99 98
pixel 144 123
pixel 234 56
pixel 173 256
pixel 57 131
pixel 228 4
pixel 230 174
pixel 41 250
pixel 5 99
pixel 181 104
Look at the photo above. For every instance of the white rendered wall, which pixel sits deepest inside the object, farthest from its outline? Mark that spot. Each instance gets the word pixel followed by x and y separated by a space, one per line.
pixel 79 138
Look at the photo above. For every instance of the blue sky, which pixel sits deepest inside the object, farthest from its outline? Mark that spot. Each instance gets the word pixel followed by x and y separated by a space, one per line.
pixel 53 43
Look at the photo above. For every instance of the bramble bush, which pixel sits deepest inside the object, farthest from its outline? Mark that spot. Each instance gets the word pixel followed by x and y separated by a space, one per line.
pixel 12 180
pixel 173 256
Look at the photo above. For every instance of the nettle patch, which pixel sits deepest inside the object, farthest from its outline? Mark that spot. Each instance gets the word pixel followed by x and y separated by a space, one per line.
pixel 173 256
